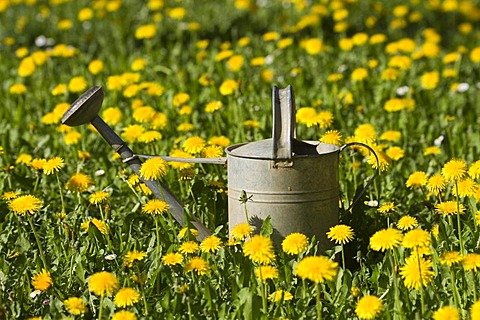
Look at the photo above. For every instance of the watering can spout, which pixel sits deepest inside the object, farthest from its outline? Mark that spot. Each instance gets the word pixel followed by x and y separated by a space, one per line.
pixel 85 110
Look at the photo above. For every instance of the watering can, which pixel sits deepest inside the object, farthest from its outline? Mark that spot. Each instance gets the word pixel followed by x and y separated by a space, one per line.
pixel 293 182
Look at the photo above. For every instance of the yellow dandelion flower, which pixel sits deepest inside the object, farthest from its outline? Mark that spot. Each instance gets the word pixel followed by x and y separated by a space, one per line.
pixel 251 124
pixel 212 152
pixel 9 195
pixel 417 272
pixel 416 180
pixel 365 133
pixel 132 132
pixel 25 205
pixel 53 165
pixel 407 222
pixel 24 158
pixel 126 297
pixel 395 153
pixel 213 106
pixel 235 63
pixel 155 207
pixel 307 116
pixel 317 269
pixel 324 119
pixel 295 243
pixel 416 238
pixel 79 182
pixel 385 239
pixel 72 137
pixel 359 74
pixel 75 306
pixel 471 262
pixel 98 197
pixel 430 80
pixel 454 170
pixel 171 259
pixel 42 280
pixel 449 208
pixel 474 170
pixel 197 264
pixel 147 31
pixel 228 87
pixel 391 135
pixel 259 249
pixel 387 207
pixel 144 114
pixel 103 283
pixel 341 234
pixel 210 244
pixel 177 13
pixel 221 141
pixel 183 232
pixel 332 137
pixel 150 136
pixel 436 184
pixel 450 258
pixel 133 256
pixel 124 315
pixel 368 307
pixel 266 272
pixel 193 145
pixel 189 247
pixel 37 163
pixel 312 46
pixel 466 188
pixel 154 168
pixel 280 295
pixel 77 84
pixel 242 231
pixel 17 89
pixel 112 115
pixel 447 312
pixel 99 224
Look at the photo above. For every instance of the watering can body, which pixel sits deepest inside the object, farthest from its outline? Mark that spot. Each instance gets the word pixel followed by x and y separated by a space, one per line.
pixel 299 196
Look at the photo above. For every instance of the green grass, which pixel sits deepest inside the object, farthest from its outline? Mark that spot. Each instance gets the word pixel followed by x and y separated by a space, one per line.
pixel 174 60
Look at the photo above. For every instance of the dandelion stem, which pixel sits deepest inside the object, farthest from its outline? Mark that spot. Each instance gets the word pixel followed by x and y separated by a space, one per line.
pixel 60 191
pixel 422 302
pixel 343 258
pixel 40 250
pixel 319 302
pixel 100 311
pixel 157 230
pixel 460 238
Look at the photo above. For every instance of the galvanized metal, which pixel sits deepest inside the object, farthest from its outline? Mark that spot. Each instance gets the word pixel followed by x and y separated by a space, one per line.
pixel 303 197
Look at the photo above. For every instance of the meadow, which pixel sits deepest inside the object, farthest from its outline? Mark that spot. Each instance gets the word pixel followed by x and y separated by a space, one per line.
pixel 82 237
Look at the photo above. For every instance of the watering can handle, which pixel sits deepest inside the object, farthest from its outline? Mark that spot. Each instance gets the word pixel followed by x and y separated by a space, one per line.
pixel 283 123
pixel 370 181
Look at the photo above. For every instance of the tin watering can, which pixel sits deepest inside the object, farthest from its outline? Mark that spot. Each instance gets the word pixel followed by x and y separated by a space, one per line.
pixel 293 182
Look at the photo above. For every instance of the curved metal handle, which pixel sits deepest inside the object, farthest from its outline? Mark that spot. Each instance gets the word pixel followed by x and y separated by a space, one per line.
pixel 370 181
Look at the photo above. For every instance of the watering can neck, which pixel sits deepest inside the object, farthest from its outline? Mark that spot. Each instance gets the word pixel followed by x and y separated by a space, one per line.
pixel 284 131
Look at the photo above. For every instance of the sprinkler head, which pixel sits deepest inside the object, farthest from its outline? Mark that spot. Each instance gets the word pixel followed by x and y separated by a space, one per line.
pixel 85 108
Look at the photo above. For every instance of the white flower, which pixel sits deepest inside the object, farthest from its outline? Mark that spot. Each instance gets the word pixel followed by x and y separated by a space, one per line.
pixel 437 142
pixel 35 293
pixel 402 90
pixel 372 203
pixel 462 87
pixel 110 257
